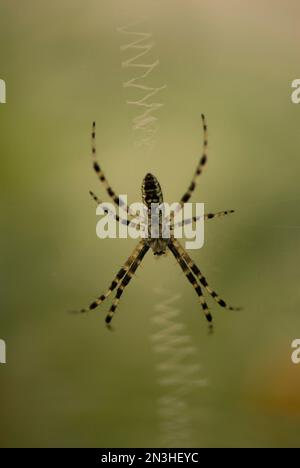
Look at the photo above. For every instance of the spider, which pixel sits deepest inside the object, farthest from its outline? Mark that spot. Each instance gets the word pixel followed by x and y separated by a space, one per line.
pixel 152 193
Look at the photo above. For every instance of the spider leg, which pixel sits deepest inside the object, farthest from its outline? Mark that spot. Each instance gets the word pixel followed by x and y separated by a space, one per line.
pixel 190 276
pixel 220 214
pixel 202 161
pixel 206 216
pixel 183 253
pixel 117 200
pixel 126 222
pixel 125 281
pixel 119 276
pixel 187 195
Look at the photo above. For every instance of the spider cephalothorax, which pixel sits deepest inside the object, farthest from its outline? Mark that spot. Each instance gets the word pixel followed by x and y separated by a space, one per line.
pixel 152 194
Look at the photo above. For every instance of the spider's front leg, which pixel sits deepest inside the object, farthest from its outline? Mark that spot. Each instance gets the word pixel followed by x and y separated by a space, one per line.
pixel 202 162
pixel 101 176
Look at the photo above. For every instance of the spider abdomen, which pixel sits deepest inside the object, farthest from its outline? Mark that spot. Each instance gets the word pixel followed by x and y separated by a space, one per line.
pixel 151 191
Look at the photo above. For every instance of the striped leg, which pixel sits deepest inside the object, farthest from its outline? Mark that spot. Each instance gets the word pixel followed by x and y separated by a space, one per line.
pixel 220 214
pixel 125 281
pixel 183 253
pixel 207 216
pixel 186 270
pixel 101 176
pixel 202 161
pixel 126 222
pixel 119 276
pixel 187 195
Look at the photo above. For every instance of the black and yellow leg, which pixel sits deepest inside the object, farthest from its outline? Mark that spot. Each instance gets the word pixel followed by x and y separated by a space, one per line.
pixel 125 281
pixel 126 222
pixel 202 279
pixel 190 276
pixel 202 161
pixel 206 216
pixel 119 276
pixel 118 201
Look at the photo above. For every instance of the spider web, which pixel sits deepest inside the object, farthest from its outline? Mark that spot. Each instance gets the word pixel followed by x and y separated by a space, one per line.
pixel 178 375
pixel 137 49
pixel 179 371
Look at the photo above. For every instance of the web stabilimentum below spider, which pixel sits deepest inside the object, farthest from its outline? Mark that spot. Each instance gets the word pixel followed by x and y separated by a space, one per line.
pixel 152 194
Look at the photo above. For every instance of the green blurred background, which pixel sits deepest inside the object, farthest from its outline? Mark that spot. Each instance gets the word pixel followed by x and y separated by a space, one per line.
pixel 68 381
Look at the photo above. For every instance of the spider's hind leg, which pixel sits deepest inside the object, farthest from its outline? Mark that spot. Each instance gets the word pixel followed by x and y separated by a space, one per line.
pixel 125 281
pixel 191 278
pixel 119 276
pixel 193 267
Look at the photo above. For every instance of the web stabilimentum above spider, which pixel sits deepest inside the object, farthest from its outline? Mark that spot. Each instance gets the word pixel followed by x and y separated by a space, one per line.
pixel 152 194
